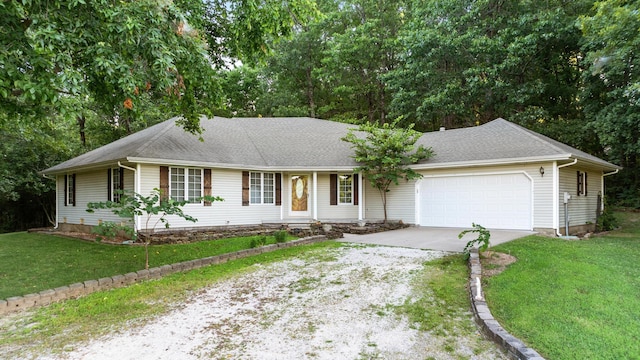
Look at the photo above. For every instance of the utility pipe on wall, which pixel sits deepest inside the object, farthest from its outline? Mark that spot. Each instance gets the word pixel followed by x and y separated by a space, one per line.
pixel 557 179
pixel 135 189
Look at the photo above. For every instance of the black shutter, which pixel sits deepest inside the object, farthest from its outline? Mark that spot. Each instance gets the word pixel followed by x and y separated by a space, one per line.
pixel 109 194
pixel 207 185
pixel 73 189
pixel 278 189
pixel 164 183
pixel 66 190
pixel 333 189
pixel 245 188
pixel 121 171
pixel 356 187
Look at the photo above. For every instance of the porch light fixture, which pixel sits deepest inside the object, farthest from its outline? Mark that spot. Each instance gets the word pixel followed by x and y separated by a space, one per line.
pixel 541 171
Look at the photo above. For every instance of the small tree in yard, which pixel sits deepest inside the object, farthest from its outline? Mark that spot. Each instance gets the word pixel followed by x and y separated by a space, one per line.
pixel 134 204
pixel 385 154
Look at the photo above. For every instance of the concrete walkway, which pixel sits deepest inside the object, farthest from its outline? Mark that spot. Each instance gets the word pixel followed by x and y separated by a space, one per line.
pixel 432 238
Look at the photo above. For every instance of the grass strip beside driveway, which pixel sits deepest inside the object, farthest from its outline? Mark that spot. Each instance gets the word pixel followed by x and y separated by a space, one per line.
pixel 573 299
pixel 31 262
pixel 57 325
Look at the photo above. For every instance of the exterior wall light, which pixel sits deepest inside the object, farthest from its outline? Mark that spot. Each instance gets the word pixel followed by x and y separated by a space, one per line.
pixel 541 171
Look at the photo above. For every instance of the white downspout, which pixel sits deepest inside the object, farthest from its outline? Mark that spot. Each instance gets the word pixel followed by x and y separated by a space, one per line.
pixel 282 202
pixel 556 194
pixel 315 195
pixel 136 189
pixel 55 227
pixel 602 186
pixel 360 198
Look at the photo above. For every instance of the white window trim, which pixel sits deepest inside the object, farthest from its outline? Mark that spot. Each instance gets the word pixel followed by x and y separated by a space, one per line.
pixel 186 183
pixel 340 202
pixel 583 181
pixel 273 184
pixel 71 184
pixel 113 184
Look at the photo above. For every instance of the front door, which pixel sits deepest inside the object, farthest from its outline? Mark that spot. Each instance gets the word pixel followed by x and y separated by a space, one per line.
pixel 299 195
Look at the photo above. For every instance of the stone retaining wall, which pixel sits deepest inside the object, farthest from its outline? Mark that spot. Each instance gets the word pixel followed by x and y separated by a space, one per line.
pixel 50 296
pixel 514 348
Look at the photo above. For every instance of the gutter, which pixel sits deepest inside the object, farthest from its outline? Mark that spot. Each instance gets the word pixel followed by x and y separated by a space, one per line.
pixel 556 180
pixel 611 173
pixel 55 227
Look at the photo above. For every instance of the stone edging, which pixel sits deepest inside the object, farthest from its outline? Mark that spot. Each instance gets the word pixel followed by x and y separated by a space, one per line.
pixel 514 348
pixel 46 297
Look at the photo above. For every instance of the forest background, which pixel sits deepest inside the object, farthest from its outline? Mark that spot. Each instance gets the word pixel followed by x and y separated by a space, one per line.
pixel 78 74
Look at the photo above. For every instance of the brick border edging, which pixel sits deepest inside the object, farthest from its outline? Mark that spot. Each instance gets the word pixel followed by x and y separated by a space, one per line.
pixel 46 297
pixel 514 348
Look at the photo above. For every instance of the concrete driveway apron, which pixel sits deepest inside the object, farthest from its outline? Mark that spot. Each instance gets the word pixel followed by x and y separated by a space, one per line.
pixel 432 238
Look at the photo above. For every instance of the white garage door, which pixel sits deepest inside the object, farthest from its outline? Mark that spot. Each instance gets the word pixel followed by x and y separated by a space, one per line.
pixel 493 201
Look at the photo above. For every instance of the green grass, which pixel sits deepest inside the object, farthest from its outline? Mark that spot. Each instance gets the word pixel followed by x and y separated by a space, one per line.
pixel 440 304
pixel 30 262
pixel 64 323
pixel 573 299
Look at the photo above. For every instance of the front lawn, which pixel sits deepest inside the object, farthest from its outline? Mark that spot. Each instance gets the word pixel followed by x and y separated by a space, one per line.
pixel 30 262
pixel 573 299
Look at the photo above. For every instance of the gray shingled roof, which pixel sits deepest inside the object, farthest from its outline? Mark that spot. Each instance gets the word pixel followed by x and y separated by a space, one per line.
pixel 306 143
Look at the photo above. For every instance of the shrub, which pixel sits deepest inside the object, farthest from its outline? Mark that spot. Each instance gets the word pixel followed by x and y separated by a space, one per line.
pixel 482 240
pixel 281 236
pixel 607 220
pixel 258 241
pixel 109 230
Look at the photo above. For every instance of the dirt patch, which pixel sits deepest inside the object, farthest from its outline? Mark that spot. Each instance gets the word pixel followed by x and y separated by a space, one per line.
pixel 493 263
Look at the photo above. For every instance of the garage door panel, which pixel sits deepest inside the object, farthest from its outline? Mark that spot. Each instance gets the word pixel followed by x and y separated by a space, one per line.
pixel 500 201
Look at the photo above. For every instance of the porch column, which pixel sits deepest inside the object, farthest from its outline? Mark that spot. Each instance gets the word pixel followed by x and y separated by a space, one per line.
pixel 315 195
pixel 136 186
pixel 360 197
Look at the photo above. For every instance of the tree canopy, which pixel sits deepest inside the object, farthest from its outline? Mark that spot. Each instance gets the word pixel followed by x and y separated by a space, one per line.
pixel 121 53
pixel 385 153
pixel 94 71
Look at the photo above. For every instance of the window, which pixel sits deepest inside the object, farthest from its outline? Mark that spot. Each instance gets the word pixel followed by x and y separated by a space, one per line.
pixel 345 189
pixel 70 189
pixel 116 185
pixel 582 183
pixel 186 184
pixel 262 188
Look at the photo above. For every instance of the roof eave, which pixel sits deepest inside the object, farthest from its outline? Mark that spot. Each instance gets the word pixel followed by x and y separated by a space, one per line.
pixel 299 168
pixel 490 162
pixel 77 168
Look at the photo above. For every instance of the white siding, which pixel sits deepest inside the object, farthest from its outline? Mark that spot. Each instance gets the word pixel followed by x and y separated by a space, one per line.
pixel 582 209
pixel 225 183
pixel 400 202
pixel 90 187
pixel 401 198
pixel 332 212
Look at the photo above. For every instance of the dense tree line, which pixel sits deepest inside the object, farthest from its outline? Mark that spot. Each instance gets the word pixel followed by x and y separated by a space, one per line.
pixel 76 74
pixel 567 69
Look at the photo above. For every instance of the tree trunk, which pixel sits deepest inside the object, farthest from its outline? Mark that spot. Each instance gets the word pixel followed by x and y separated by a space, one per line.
pixel 81 125
pixel 146 255
pixel 310 94
pixel 383 194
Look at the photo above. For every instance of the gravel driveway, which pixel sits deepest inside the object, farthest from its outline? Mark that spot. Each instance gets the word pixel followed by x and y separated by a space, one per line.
pixel 335 305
